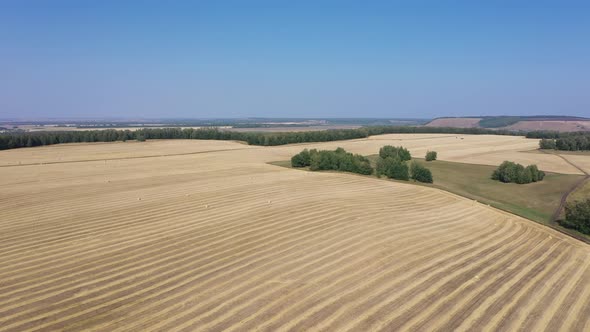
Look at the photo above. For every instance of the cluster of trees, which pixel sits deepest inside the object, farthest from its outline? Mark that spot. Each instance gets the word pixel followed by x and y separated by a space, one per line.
pixel 577 216
pixel 553 134
pixel 512 172
pixel 337 160
pixel 393 164
pixel 542 134
pixel 28 139
pixel 431 155
pixel 396 152
pixel 553 140
pixel 572 142
pixel 547 144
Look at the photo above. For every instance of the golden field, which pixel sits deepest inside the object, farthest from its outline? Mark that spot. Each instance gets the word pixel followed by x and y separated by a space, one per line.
pixel 190 235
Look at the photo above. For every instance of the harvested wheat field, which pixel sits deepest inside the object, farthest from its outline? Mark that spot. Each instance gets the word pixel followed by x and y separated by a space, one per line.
pixel 455 122
pixel 206 236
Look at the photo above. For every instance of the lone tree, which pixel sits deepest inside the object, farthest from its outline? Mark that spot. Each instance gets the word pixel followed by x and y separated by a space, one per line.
pixel 431 155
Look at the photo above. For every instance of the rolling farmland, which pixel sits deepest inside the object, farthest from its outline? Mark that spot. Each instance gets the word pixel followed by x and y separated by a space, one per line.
pixel 204 235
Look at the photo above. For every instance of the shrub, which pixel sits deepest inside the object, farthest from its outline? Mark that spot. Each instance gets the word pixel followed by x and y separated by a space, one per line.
pixel 512 172
pixel 395 152
pixel 572 141
pixel 393 168
pixel 140 138
pixel 577 216
pixel 431 155
pixel 421 173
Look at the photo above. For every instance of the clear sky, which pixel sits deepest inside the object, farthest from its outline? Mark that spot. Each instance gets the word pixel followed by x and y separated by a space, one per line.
pixel 293 58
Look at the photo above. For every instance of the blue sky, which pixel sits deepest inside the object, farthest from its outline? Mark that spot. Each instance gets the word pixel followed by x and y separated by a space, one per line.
pixel 197 59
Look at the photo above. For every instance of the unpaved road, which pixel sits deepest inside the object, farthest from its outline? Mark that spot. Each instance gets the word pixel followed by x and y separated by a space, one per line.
pixel 576 186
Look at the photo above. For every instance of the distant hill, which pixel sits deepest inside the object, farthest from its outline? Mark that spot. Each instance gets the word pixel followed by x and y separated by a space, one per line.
pixel 518 123
pixel 455 122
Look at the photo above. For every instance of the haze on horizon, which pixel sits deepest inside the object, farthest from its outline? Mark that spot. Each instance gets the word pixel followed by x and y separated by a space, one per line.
pixel 212 59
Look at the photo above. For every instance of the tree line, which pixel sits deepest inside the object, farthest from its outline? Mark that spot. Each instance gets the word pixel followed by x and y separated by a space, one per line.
pixel 512 172
pixel 393 164
pixel 567 141
pixel 571 142
pixel 29 139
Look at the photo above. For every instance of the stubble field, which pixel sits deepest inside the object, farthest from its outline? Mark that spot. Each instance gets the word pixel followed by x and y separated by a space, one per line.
pixel 205 235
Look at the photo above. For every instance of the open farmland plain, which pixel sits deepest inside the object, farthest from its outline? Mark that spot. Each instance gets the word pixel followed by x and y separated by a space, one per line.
pixel 204 235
